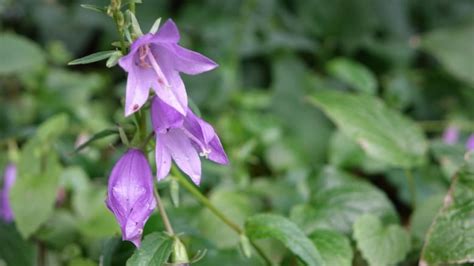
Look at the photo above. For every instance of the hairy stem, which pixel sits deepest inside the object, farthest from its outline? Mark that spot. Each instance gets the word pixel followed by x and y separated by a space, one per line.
pixel 164 216
pixel 203 200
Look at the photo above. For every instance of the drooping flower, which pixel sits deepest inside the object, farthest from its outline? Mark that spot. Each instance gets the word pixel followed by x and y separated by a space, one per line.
pixel 183 139
pixel 451 135
pixel 470 143
pixel 9 178
pixel 155 61
pixel 130 194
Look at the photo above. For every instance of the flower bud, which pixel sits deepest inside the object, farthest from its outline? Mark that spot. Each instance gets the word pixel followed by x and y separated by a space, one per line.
pixel 130 194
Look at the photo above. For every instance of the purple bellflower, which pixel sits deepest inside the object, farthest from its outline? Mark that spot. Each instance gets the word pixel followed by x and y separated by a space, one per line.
pixel 451 135
pixel 155 61
pixel 6 213
pixel 183 139
pixel 470 143
pixel 130 194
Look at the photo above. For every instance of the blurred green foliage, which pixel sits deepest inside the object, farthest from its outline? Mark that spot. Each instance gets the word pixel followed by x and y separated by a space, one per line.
pixel 403 69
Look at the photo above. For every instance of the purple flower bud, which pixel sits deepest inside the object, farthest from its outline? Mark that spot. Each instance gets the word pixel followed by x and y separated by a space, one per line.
pixel 130 194
pixel 470 143
pixel 155 61
pixel 451 135
pixel 183 139
pixel 8 180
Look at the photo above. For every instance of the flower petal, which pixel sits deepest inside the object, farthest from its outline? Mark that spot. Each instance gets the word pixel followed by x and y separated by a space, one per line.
pixel 130 194
pixel 163 159
pixel 167 33
pixel 189 62
pixel 183 153
pixel 136 93
pixel 6 212
pixel 163 116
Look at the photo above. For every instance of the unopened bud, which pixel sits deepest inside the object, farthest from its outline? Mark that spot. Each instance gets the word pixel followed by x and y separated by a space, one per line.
pixel 179 252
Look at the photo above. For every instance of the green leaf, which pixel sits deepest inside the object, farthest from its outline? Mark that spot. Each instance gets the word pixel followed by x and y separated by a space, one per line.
pixel 155 250
pixel 383 134
pixel 33 196
pixel 52 128
pixel 94 8
pixel 19 54
pixel 282 229
pixel 93 58
pixel 380 245
pixel 97 136
pixel 335 248
pixel 356 75
pixel 453 47
pixel 13 249
pixel 450 238
pixel 339 201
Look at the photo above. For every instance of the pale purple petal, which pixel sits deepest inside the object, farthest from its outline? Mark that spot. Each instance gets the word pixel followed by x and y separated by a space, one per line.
pixel 167 33
pixel 470 143
pixel 163 116
pixel 130 194
pixel 9 179
pixel 451 135
pixel 183 153
pixel 163 159
pixel 136 93
pixel 206 135
pixel 175 96
pixel 217 153
pixel 190 62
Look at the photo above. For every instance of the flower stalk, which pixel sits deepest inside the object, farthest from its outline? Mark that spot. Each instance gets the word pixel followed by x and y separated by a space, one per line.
pixel 203 200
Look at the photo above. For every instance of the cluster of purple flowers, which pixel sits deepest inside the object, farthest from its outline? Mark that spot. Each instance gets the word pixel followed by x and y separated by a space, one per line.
pixel 451 137
pixel 155 61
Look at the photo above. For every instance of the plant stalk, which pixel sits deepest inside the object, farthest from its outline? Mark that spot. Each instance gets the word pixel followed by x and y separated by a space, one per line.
pixel 203 200
pixel 164 216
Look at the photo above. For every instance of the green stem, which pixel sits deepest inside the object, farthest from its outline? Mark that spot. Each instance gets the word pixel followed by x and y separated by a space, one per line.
pixel 164 216
pixel 203 200
pixel 131 6
pixel 411 187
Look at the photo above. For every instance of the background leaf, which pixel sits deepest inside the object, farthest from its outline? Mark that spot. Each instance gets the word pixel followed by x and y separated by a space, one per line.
pixel 453 47
pixel 380 245
pixel 354 74
pixel 450 238
pixel 335 248
pixel 278 227
pixel 18 54
pixel 382 133
pixel 13 249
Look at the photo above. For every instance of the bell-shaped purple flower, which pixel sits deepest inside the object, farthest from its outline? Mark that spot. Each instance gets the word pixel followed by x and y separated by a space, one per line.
pixel 183 139
pixel 451 135
pixel 130 194
pixel 155 61
pixel 9 178
pixel 470 143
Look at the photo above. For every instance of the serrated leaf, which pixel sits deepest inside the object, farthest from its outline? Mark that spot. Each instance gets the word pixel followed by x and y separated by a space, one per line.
pixel 453 47
pixel 282 229
pixel 339 201
pixel 380 245
pixel 93 58
pixel 13 249
pixel 354 74
pixel 384 134
pixel 18 54
pixel 450 238
pixel 155 250
pixel 335 248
